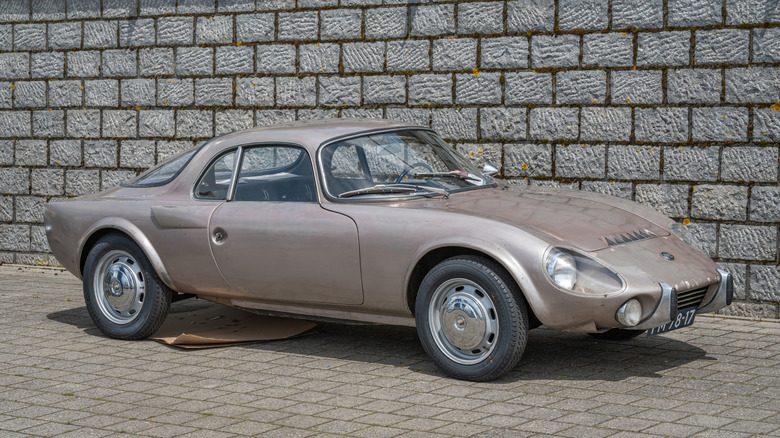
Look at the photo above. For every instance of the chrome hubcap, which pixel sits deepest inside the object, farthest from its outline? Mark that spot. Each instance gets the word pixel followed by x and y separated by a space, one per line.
pixel 463 321
pixel 119 287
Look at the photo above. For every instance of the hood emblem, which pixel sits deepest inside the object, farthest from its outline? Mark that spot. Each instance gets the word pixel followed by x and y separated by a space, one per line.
pixel 667 256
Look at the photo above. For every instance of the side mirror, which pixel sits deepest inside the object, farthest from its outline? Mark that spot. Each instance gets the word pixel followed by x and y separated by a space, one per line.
pixel 489 169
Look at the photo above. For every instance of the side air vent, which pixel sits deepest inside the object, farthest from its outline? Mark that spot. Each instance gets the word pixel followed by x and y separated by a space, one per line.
pixel 628 237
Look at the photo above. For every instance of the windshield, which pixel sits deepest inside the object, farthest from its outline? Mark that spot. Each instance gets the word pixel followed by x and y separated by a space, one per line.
pixel 410 162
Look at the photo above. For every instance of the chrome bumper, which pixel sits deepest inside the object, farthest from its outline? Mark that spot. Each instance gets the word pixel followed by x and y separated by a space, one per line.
pixel 723 296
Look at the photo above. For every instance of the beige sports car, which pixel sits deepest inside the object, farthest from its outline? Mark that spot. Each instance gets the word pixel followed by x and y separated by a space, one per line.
pixel 379 222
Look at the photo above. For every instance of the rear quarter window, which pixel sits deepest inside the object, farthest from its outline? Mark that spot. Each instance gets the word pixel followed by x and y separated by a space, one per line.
pixel 164 172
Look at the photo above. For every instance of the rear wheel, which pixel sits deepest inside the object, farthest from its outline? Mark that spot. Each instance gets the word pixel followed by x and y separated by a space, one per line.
pixel 617 334
pixel 124 296
pixel 471 318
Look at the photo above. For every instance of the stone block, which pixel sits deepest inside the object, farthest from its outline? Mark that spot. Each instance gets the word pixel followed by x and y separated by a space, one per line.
pixel 766 124
pixel 29 36
pixel 338 91
pixel 100 34
pixel 167 149
pixel 765 283
pixel 194 124
pixel 455 54
pixel 530 15
pixel 738 273
pixel 455 124
pixel 687 13
pixel 685 163
pixel 663 48
pixel 484 88
pixel 669 199
pixel 136 33
pixel 136 154
pixel 608 49
pixel 633 162
pixel 119 63
pixel 46 10
pixel 555 51
pixel 637 14
pixel 29 209
pixel 7 152
pixel 580 161
pixel 235 60
pixel 14 124
pixel 751 11
pixel 30 153
pixel 85 63
pixel 232 120
pixel 427 89
pixel 273 117
pixel 610 188
pixel 766 45
pixel 361 113
pixel 481 18
pixel 748 242
pixel 276 59
pixel 582 14
pixel 753 85
pixel 720 124
pixel 175 92
pixel 195 6
pixel 765 204
pixel 554 123
pixel 83 9
pixel 721 46
pixel 104 92
pixel 527 160
pixel 65 152
pixel 119 123
pixel 30 94
pixel 384 89
pixel 100 153
pixel 6 37
pixel 6 209
pixel 156 123
pixel 254 92
pixel 637 87
pixel 191 61
pixel 47 182
pixel 156 62
pixel 65 35
pixel 113 178
pixel 719 202
pixel 14 65
pixel 341 24
pixel 173 31
pixel 481 153
pixel 694 86
pixel 528 87
pixel 298 26
pixel 251 28
pixel 317 113
pixel 120 8
pixel 417 116
pixel 47 65
pixel 382 23
pixel 217 29
pixel 292 91
pixel 235 6
pixel 83 123
pixel 581 86
pixel 751 164
pixel 14 237
pixel 506 52
pixel 318 58
pixel 408 55
pixel 48 123
pixel 702 236
pixel 6 94
pixel 14 180
pixel 363 57
pixel 606 124
pixel 214 92
pixel 502 123
pixel 164 7
pixel 665 125
pixel 138 92
pixel 81 182
pixel 434 20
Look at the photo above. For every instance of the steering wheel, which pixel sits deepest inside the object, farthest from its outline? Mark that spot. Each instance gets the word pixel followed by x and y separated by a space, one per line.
pixel 408 169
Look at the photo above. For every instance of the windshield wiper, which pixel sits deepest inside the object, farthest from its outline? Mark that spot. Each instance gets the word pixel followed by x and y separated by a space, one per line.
pixel 457 174
pixel 396 188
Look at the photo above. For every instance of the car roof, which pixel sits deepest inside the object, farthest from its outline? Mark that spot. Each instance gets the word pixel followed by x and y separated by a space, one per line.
pixel 309 133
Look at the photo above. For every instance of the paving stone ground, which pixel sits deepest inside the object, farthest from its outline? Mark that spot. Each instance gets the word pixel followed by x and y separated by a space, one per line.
pixel 60 377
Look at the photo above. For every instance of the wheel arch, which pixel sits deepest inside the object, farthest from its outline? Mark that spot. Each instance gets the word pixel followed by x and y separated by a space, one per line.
pixel 123 227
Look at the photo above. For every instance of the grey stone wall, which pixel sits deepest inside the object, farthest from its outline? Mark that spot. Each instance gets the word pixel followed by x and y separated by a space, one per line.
pixel 672 103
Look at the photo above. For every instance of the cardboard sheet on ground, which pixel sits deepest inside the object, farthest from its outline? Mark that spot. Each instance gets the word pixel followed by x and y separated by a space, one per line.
pixel 219 326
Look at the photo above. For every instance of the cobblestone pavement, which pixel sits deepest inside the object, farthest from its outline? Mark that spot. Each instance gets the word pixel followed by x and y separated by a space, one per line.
pixel 60 377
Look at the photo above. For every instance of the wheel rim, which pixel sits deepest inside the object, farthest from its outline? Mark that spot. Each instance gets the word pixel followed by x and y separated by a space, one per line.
pixel 463 321
pixel 118 287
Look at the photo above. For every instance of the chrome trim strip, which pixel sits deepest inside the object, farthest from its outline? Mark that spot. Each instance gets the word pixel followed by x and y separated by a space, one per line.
pixel 723 296
pixel 664 312
pixel 236 168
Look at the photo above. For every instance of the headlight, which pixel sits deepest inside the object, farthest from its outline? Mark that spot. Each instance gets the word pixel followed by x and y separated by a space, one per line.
pixel 629 313
pixel 580 273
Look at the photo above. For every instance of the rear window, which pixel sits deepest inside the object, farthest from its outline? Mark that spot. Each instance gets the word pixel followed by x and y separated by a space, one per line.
pixel 164 172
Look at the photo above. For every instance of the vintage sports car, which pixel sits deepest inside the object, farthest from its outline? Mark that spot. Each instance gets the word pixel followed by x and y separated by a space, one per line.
pixel 378 222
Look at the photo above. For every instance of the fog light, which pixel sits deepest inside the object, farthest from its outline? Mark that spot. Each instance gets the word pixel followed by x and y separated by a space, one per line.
pixel 629 313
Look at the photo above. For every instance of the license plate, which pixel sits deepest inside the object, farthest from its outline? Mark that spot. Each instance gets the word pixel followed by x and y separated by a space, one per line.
pixel 684 319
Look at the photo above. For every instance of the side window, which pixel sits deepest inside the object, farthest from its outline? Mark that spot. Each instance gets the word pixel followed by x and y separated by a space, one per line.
pixel 215 182
pixel 275 174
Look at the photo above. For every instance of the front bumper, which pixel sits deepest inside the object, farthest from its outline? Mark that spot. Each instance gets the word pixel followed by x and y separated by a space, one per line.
pixel 666 310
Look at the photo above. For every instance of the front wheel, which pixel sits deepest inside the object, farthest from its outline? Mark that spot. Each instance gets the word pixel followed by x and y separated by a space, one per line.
pixel 471 318
pixel 124 296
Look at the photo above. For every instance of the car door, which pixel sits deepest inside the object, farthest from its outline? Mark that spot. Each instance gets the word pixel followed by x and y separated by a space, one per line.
pixel 273 241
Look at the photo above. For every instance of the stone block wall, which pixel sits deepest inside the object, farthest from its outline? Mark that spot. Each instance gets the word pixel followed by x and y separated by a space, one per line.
pixel 672 103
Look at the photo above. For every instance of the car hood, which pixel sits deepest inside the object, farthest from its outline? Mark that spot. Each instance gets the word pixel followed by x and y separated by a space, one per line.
pixel 582 219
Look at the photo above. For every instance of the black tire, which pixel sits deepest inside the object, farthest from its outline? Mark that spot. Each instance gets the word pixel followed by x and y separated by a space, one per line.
pixel 617 334
pixel 459 344
pixel 124 296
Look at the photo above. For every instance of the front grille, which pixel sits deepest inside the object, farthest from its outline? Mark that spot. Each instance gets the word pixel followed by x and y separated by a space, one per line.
pixel 628 237
pixel 690 298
